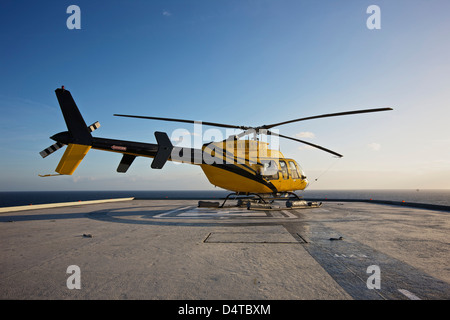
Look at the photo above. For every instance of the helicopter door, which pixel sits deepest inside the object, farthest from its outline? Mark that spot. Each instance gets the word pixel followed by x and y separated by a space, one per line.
pixel 284 169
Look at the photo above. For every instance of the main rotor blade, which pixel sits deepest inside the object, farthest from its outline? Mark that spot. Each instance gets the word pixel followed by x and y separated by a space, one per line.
pixel 326 115
pixel 182 120
pixel 306 142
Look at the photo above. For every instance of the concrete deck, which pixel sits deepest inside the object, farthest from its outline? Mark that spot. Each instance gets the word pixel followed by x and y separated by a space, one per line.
pixel 170 249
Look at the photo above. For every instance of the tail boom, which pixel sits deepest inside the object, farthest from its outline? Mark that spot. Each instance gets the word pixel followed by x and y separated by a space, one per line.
pixel 79 141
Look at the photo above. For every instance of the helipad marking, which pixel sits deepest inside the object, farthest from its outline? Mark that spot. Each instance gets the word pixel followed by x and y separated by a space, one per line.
pixel 170 212
pixel 227 213
pixel 289 215
pixel 411 296
pixel 196 213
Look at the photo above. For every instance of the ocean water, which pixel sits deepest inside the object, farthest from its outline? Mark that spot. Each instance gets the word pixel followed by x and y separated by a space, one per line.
pixel 13 198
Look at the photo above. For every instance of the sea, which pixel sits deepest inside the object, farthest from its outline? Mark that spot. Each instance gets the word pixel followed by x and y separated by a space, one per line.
pixel 21 198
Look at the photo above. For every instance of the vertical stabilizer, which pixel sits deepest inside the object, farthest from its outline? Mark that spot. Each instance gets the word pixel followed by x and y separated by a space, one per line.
pixel 71 158
pixel 75 123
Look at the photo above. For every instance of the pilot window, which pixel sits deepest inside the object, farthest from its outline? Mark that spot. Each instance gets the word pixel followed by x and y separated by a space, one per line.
pixel 284 169
pixel 270 169
pixel 294 171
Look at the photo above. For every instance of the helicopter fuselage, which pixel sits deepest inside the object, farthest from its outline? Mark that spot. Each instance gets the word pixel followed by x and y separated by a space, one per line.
pixel 243 166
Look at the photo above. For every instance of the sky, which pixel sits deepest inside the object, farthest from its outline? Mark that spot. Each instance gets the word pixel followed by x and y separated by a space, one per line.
pixel 243 62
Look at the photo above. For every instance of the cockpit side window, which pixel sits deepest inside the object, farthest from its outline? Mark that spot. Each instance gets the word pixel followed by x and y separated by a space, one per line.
pixel 269 169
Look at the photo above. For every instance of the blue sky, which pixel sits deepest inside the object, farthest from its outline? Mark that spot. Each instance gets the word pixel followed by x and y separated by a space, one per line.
pixel 239 62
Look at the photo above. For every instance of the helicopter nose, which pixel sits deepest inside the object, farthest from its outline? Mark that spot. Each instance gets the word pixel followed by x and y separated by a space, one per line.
pixel 305 180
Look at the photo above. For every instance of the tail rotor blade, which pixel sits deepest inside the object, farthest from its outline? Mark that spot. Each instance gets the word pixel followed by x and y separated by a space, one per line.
pixel 94 126
pixel 54 147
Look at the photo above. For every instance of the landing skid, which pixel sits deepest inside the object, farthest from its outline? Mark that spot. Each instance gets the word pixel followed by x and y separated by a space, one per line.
pixel 255 201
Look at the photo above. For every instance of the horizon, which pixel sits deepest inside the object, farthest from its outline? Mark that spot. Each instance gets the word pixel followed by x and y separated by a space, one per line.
pixel 213 190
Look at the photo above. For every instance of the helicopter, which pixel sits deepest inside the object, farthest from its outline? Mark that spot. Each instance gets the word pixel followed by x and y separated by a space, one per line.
pixel 244 167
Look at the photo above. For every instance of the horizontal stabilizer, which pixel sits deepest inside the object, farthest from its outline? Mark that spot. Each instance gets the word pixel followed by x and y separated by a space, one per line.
pixel 72 157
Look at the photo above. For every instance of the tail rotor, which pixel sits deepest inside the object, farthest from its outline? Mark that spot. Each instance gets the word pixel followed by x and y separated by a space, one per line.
pixel 56 146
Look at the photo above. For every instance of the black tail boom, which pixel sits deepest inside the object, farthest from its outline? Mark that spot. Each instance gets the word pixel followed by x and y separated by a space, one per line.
pixel 79 141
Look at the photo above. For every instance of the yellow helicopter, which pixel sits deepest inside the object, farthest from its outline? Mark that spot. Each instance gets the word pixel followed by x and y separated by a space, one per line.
pixel 245 167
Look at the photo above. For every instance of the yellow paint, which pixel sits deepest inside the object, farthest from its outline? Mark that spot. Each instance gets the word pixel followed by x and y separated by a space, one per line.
pixel 248 155
pixel 72 157
pixel 231 181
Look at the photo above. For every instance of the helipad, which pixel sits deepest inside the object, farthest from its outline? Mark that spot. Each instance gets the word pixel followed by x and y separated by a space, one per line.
pixel 171 249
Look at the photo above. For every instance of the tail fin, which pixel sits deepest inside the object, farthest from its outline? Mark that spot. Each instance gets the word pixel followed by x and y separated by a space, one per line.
pixel 75 123
pixel 71 158
pixel 81 138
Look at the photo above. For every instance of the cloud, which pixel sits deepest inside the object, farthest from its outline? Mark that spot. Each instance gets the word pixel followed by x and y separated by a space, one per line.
pixel 374 146
pixel 166 13
pixel 305 147
pixel 305 134
pixel 182 137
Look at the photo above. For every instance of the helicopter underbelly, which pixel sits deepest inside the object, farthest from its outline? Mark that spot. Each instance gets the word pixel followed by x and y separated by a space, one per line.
pixel 232 178
pixel 236 178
